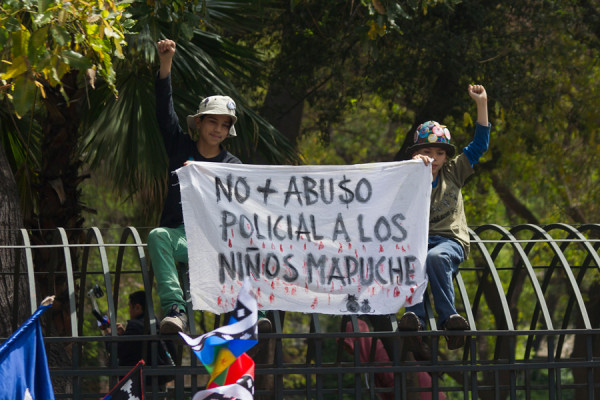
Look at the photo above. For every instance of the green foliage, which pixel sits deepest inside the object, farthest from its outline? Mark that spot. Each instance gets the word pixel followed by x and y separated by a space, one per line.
pixel 122 133
pixel 42 41
pixel 371 130
pixel 544 124
pixel 45 41
pixel 366 72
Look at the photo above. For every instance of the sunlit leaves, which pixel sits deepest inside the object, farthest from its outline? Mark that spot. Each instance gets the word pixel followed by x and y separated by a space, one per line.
pixel 76 60
pixel 43 40
pixel 17 67
pixel 23 95
pixel 60 35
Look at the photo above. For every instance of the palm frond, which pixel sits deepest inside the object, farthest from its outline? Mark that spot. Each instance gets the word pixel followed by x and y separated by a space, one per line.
pixel 122 134
pixel 235 16
pixel 20 139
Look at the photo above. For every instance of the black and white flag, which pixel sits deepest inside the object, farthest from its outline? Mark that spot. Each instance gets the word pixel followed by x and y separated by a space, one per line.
pixel 131 387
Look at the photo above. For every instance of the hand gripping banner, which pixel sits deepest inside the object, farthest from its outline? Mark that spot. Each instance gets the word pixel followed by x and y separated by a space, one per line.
pixel 329 239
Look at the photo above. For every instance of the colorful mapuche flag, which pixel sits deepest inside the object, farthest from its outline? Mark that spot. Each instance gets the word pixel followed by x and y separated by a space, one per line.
pixel 223 352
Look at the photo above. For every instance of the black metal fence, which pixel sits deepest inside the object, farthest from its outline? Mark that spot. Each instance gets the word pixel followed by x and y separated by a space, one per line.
pixel 531 295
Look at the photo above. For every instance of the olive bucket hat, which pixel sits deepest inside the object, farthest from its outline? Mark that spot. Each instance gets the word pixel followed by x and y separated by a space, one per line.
pixel 216 105
pixel 432 134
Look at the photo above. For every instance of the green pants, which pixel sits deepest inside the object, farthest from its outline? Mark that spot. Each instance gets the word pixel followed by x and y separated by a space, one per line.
pixel 166 247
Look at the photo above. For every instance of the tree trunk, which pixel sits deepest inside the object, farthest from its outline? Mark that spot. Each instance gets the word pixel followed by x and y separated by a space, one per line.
pixel 59 206
pixel 13 308
pixel 284 103
pixel 511 202
pixel 284 111
pixel 58 194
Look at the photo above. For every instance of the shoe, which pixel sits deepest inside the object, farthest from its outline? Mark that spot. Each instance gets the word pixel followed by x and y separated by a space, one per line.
pixel 417 344
pixel 409 322
pixel 455 323
pixel 264 325
pixel 176 321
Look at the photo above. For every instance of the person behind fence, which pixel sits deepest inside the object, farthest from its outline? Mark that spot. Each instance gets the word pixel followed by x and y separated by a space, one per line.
pixel 212 123
pixel 448 242
pixel 129 353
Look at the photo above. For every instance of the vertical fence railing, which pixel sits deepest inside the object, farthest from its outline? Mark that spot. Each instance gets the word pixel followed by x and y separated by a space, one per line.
pixel 530 293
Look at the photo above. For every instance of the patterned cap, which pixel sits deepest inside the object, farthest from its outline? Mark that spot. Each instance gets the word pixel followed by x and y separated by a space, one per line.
pixel 432 134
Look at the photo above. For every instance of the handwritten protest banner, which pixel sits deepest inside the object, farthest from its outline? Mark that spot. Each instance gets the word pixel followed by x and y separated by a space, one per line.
pixel 329 239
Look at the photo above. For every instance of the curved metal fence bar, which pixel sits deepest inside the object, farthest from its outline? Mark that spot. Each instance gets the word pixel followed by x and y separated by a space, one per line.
pixel 559 256
pixel 507 344
pixel 490 269
pixel 505 347
pixel 307 355
pixel 591 254
pixel 537 235
pixel 139 246
pixel 429 314
pixel 522 259
pixel 70 280
pixel 594 229
pixel 465 300
pixel 94 233
pixel 119 262
pixel 30 271
pixel 72 307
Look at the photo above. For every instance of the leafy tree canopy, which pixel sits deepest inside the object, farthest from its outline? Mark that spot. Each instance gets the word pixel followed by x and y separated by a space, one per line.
pixel 44 40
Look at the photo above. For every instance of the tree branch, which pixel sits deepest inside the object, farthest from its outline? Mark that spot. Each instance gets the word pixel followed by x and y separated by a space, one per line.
pixel 511 201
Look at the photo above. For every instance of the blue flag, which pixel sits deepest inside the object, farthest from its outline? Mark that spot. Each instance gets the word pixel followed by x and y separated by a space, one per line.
pixel 23 363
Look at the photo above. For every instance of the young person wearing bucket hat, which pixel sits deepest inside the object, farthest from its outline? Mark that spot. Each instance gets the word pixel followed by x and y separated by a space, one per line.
pixel 448 244
pixel 206 130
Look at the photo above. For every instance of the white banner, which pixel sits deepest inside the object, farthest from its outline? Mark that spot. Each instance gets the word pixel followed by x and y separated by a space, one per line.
pixel 329 239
